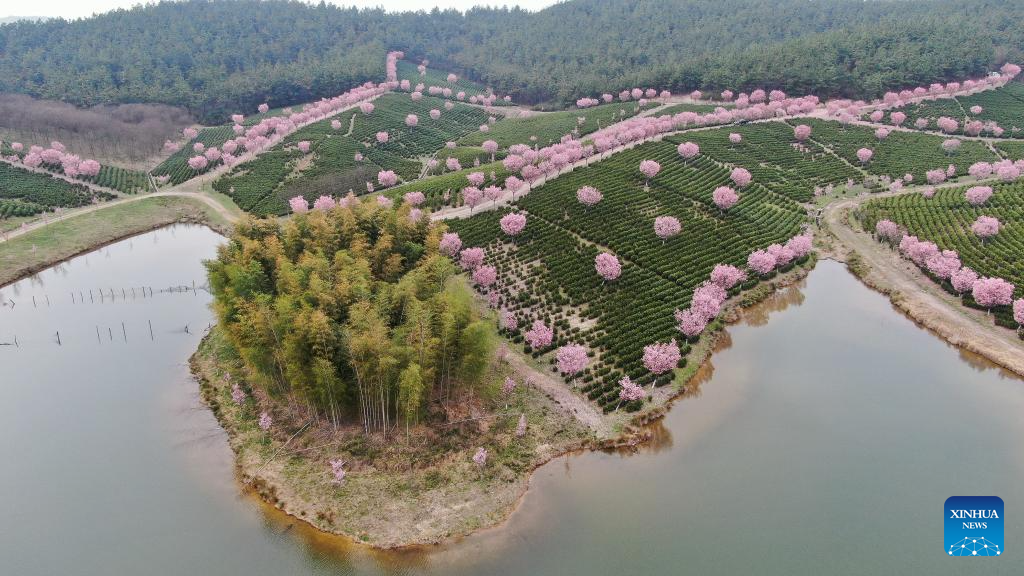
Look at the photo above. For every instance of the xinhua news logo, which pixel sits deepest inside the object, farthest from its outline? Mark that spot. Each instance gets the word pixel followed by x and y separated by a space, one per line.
pixel 974 526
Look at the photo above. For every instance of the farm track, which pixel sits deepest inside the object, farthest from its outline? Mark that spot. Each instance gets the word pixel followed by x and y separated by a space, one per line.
pixel 918 296
pixel 69 214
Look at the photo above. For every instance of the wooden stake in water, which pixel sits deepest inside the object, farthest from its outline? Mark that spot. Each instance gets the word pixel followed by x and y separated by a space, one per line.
pixel 150 329
pixel 125 332
pixel 58 338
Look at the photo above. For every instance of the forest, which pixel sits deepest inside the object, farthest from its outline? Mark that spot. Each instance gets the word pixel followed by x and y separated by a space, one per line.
pixel 215 58
pixel 351 312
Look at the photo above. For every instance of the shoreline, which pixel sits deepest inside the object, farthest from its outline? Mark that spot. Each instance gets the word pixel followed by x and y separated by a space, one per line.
pixel 916 296
pixel 170 211
pixel 272 491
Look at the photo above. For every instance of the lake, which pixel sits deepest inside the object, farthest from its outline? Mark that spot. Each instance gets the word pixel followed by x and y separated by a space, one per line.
pixel 824 437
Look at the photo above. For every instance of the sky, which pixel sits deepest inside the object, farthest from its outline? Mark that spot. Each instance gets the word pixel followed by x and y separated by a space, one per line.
pixel 81 8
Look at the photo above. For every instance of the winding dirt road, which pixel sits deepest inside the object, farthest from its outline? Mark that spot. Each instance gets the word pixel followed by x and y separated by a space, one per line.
pixel 919 297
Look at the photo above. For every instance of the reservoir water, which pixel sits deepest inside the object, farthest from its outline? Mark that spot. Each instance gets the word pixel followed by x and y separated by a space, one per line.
pixel 824 438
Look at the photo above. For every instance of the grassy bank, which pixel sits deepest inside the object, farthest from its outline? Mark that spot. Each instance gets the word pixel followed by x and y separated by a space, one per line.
pixel 57 242
pixel 419 489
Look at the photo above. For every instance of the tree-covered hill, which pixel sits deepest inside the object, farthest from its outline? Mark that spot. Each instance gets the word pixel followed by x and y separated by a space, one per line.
pixel 220 57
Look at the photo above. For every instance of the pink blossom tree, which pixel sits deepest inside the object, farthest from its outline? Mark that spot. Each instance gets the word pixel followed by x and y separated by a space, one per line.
pixel 725 198
pixel 471 258
pixel 450 244
pixel 761 262
pixel 476 178
pixel 864 155
pixel 985 227
pixel 539 336
pixel 727 276
pixel 690 322
pixel 472 197
pixel 802 132
pixel 740 176
pixel 491 147
pixel 485 276
pixel 963 280
pixel 607 266
pixel 303 146
pixel 666 227
pixel 299 205
pixel 688 150
pixel 387 178
pixel 382 137
pixel 889 231
pixel 650 169
pixel 978 195
pixel 414 198
pixel 629 391
pixel 512 224
pixel 589 196
pixel 992 292
pixel 661 357
pixel 324 203
pixel 571 359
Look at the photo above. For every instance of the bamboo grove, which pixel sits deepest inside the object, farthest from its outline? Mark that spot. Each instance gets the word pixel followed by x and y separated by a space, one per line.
pixel 351 314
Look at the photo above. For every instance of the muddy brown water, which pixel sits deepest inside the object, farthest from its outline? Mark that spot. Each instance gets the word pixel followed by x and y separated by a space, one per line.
pixel 823 438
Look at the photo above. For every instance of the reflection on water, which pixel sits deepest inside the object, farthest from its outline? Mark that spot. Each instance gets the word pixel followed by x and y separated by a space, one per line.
pixel 822 442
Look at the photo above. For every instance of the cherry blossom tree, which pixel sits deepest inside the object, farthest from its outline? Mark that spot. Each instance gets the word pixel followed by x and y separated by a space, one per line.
pixel 985 227
pixel 589 196
pixel 539 336
pixel 450 244
pixel 630 391
pixel 963 280
pixel 864 155
pixel 1018 312
pixel 387 178
pixel 303 146
pixel 650 169
pixel 476 178
pixel 263 108
pixel 471 258
pixel 735 138
pixel 725 198
pixel 412 120
pixel 472 197
pixel 607 266
pixel 366 108
pixel 661 357
pixel 382 137
pixel 666 227
pixel 324 203
pixel 512 224
pixel 485 276
pixel 690 322
pixel 299 205
pixel 571 359
pixel 761 262
pixel 727 276
pixel 889 231
pixel 688 150
pixel 197 162
pixel 991 292
pixel 802 132
pixel 740 176
pixel 491 147
pixel 978 195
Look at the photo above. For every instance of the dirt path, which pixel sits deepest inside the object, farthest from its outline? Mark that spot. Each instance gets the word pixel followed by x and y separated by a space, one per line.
pixel 68 214
pixel 581 408
pixel 919 297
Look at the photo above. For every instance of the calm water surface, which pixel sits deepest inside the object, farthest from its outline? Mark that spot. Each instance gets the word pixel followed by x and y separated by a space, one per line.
pixel 822 442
